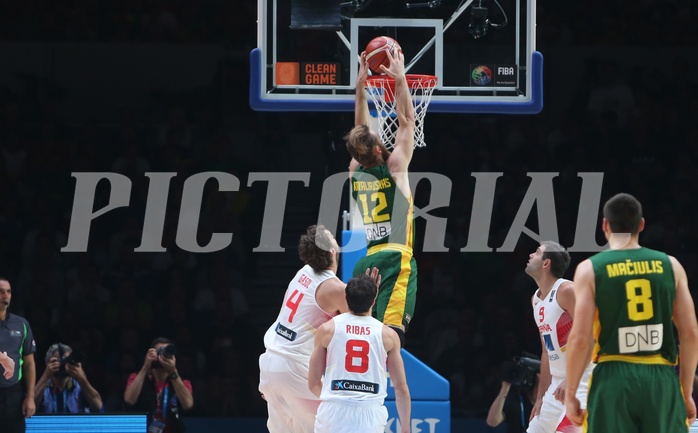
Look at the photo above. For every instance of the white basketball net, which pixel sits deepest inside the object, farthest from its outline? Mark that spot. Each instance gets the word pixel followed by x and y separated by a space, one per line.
pixel 381 90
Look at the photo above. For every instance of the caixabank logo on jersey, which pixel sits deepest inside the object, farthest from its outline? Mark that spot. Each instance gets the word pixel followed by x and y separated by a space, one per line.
pixel 490 75
pixel 354 385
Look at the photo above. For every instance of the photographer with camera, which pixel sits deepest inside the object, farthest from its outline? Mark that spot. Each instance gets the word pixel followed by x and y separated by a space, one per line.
pixel 159 390
pixel 517 394
pixel 64 388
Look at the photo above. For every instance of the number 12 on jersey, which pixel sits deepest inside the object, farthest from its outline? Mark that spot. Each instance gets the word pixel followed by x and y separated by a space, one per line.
pixel 378 203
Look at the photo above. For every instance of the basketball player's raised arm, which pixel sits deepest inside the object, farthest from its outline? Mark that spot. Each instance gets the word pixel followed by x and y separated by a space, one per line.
pixel 404 108
pixel 361 113
pixel 685 321
pixel 581 339
pixel 318 359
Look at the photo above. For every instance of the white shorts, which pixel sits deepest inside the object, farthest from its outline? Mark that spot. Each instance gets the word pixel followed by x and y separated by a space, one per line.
pixel 284 384
pixel 552 417
pixel 336 417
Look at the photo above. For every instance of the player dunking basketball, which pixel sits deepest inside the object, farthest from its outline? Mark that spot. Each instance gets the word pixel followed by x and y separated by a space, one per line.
pixel 553 308
pixel 381 188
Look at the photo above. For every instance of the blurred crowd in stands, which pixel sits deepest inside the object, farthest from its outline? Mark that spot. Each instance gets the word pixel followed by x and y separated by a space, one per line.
pixel 621 23
pixel 473 309
pixel 111 301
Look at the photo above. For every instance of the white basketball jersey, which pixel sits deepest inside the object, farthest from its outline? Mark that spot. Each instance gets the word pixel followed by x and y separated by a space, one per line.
pixel 356 361
pixel 293 333
pixel 554 325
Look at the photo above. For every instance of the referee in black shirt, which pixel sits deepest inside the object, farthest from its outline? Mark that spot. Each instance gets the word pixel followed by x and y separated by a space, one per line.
pixel 16 338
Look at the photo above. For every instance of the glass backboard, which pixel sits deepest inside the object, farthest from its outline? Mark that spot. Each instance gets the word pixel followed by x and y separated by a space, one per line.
pixel 483 52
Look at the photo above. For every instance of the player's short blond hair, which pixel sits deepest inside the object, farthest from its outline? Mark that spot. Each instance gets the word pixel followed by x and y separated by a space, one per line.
pixel 360 144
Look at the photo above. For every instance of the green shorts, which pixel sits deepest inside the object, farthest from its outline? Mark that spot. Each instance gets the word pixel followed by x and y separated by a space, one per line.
pixel 626 397
pixel 398 289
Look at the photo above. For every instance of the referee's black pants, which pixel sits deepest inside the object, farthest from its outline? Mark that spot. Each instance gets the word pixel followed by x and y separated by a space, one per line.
pixel 11 416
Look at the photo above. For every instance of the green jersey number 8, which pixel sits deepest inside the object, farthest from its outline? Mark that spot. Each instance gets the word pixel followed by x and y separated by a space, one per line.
pixel 639 294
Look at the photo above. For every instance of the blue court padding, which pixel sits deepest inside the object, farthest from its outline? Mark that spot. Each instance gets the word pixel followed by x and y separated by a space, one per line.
pixel 259 101
pixel 353 248
pixel 425 384
pixel 430 394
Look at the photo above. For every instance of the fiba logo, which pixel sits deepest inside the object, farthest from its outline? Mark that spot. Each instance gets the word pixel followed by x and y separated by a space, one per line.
pixel 481 75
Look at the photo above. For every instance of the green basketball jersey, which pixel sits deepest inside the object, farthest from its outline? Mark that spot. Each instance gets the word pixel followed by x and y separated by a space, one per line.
pixel 635 292
pixel 386 213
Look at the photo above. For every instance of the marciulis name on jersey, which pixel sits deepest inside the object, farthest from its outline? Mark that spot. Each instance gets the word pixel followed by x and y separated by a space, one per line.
pixel 629 268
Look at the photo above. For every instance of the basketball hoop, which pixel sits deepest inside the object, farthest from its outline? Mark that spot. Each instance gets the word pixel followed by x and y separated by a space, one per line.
pixel 381 89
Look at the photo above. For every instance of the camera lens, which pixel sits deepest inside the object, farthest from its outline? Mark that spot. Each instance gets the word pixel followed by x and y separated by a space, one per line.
pixel 167 351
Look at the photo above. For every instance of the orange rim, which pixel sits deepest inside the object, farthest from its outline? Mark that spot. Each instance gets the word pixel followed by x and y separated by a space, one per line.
pixel 413 80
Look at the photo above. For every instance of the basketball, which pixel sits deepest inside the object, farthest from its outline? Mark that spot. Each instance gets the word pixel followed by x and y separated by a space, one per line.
pixel 377 52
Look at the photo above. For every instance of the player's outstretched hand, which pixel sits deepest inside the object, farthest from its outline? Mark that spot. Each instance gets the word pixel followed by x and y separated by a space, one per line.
pixel 363 71
pixel 397 64
pixel 375 276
